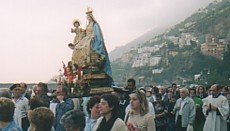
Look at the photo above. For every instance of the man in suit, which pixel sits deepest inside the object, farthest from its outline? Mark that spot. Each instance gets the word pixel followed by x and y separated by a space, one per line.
pixel 164 94
pixel 185 111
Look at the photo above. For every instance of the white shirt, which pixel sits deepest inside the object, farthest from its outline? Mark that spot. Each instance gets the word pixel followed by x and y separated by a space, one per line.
pixel 53 107
pixel 21 105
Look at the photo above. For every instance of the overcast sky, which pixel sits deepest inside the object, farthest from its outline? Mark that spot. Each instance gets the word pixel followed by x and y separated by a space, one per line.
pixel 34 33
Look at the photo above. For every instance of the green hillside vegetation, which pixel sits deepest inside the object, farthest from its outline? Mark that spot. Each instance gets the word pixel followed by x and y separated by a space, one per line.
pixel 216 22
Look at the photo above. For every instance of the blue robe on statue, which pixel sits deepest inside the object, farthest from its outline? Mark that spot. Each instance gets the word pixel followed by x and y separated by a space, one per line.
pixel 98 46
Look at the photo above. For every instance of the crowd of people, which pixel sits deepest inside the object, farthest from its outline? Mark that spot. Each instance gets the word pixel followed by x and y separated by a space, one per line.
pixel 127 108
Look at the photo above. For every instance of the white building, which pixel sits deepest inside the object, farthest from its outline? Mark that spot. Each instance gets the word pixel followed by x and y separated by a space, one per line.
pixel 154 60
pixel 145 59
pixel 157 71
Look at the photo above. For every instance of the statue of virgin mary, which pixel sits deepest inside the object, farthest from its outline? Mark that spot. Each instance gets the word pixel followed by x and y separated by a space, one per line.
pixel 90 50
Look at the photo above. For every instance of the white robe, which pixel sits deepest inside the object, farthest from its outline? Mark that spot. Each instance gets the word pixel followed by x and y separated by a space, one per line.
pixel 213 121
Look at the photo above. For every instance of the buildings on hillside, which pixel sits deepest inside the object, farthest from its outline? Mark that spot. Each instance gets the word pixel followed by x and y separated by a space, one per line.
pixel 214 47
pixel 144 56
pixel 184 39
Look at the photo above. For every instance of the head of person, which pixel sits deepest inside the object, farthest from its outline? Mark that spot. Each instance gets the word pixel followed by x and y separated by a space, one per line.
pixel 131 85
pixel 93 107
pixel 158 97
pixel 29 92
pixel 172 100
pixel 73 120
pixel 201 90
pixel 6 110
pixel 139 102
pixel 109 104
pixel 192 92
pixel 41 89
pixel 34 88
pixel 225 91
pixel 5 92
pixel 35 102
pixel 215 90
pixel 142 89
pixel 62 91
pixel 41 119
pixel 170 88
pixel 148 92
pixel 155 90
pixel 174 86
pixel 184 93
pixel 24 87
pixel 163 90
pixel 119 92
pixel 16 90
pixel 170 94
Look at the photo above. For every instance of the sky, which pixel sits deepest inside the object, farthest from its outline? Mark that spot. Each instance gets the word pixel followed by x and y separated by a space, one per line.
pixel 34 34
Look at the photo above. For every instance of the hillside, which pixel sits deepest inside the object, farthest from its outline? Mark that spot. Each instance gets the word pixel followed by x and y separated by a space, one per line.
pixel 117 53
pixel 176 55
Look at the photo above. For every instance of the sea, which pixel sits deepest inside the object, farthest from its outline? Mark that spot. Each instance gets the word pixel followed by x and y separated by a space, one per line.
pixel 51 86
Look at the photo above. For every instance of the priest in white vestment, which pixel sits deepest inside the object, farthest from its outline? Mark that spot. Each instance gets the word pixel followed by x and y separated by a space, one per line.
pixel 216 110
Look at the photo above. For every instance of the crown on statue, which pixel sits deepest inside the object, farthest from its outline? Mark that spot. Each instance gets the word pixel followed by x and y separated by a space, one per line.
pixel 89 10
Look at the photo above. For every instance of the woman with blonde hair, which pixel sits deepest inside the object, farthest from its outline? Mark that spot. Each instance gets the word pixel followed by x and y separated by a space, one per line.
pixel 138 118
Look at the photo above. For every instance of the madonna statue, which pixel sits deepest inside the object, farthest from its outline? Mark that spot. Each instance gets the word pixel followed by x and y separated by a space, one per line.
pixel 90 53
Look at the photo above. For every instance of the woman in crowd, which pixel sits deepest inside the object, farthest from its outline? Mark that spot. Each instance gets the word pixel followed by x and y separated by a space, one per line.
pixel 201 93
pixel 108 109
pixel 199 118
pixel 170 95
pixel 94 113
pixel 41 119
pixel 138 118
